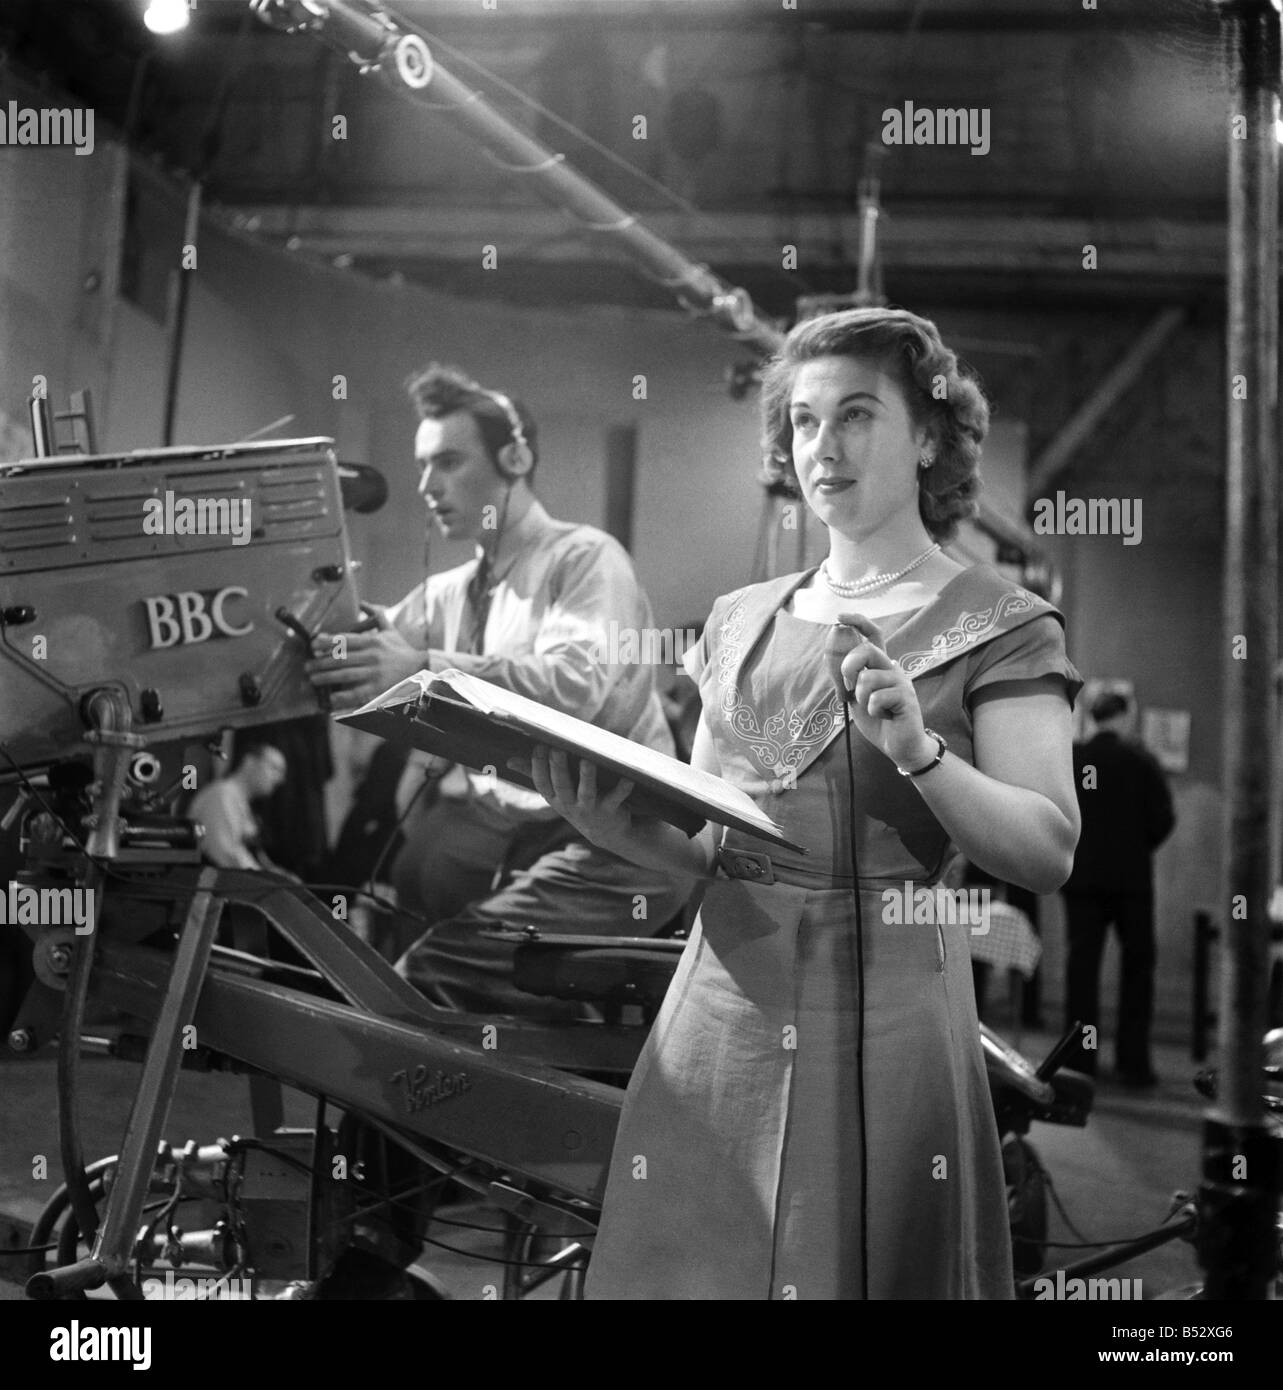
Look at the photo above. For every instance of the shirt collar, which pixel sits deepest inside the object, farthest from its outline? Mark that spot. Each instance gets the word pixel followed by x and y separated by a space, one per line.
pixel 531 526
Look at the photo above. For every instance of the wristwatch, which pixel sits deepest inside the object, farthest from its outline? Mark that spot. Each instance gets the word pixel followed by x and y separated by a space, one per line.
pixel 935 762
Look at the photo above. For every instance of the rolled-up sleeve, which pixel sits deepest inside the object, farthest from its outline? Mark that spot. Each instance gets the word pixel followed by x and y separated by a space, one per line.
pixel 420 617
pixel 407 616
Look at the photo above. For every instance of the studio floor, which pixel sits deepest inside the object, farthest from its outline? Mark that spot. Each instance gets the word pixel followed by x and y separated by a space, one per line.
pixel 1115 1178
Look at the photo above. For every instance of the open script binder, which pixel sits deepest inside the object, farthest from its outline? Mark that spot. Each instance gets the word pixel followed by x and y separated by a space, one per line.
pixel 471 721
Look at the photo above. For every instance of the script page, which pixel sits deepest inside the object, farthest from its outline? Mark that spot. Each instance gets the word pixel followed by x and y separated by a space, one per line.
pixel 597 745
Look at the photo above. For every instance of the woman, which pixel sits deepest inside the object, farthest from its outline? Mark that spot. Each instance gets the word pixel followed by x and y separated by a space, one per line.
pixel 810 1117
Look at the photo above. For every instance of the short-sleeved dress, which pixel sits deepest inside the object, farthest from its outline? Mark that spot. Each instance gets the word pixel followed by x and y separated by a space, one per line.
pixel 737 1172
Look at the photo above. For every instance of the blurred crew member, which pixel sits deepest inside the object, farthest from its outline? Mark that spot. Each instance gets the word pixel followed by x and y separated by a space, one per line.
pixel 1126 815
pixel 224 809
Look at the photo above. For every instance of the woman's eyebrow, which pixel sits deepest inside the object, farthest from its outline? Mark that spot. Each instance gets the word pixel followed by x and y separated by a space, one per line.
pixel 853 395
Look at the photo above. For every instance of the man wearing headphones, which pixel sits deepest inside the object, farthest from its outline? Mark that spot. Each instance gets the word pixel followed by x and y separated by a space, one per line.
pixel 531 613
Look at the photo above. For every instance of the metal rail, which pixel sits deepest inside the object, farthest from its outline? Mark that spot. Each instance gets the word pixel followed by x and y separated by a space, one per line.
pixel 546 1127
pixel 1240 1178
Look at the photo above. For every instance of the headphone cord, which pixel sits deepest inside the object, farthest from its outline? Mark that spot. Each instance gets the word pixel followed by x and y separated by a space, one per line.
pixel 859 1044
pixel 510 479
pixel 518 437
pixel 490 554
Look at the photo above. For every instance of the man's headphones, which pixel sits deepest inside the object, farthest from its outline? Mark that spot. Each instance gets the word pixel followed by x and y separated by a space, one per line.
pixel 514 460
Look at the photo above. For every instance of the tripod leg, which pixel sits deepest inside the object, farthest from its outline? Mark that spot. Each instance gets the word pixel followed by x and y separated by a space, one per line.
pixel 122 1216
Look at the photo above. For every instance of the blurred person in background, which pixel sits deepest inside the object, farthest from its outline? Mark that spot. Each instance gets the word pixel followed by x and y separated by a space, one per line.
pixel 233 836
pixel 1127 813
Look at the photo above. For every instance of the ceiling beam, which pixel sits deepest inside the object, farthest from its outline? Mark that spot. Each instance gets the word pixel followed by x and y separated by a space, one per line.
pixel 961 243
pixel 1057 457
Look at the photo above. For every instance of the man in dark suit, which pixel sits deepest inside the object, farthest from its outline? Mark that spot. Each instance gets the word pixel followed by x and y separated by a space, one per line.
pixel 1126 814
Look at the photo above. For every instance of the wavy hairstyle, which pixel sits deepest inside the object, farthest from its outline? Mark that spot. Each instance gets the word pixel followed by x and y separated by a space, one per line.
pixel 910 348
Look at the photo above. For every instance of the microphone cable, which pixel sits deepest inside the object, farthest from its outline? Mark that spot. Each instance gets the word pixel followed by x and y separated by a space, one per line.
pixel 859 970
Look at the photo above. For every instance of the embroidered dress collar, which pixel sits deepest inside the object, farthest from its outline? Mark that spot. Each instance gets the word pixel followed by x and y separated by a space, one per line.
pixel 974 607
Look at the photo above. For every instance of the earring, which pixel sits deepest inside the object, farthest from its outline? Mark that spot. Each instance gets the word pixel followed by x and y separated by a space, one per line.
pixel 925 461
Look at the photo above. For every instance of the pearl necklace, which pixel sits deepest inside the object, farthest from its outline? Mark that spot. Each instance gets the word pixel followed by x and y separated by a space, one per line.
pixel 875 581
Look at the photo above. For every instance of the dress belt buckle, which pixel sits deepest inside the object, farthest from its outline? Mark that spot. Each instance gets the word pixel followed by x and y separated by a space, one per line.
pixel 745 864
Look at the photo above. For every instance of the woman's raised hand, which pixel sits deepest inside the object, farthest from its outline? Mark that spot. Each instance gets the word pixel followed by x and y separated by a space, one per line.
pixel 600 818
pixel 885 705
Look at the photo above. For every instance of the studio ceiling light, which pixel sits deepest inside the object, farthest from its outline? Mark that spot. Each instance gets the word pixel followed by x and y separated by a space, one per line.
pixel 165 16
